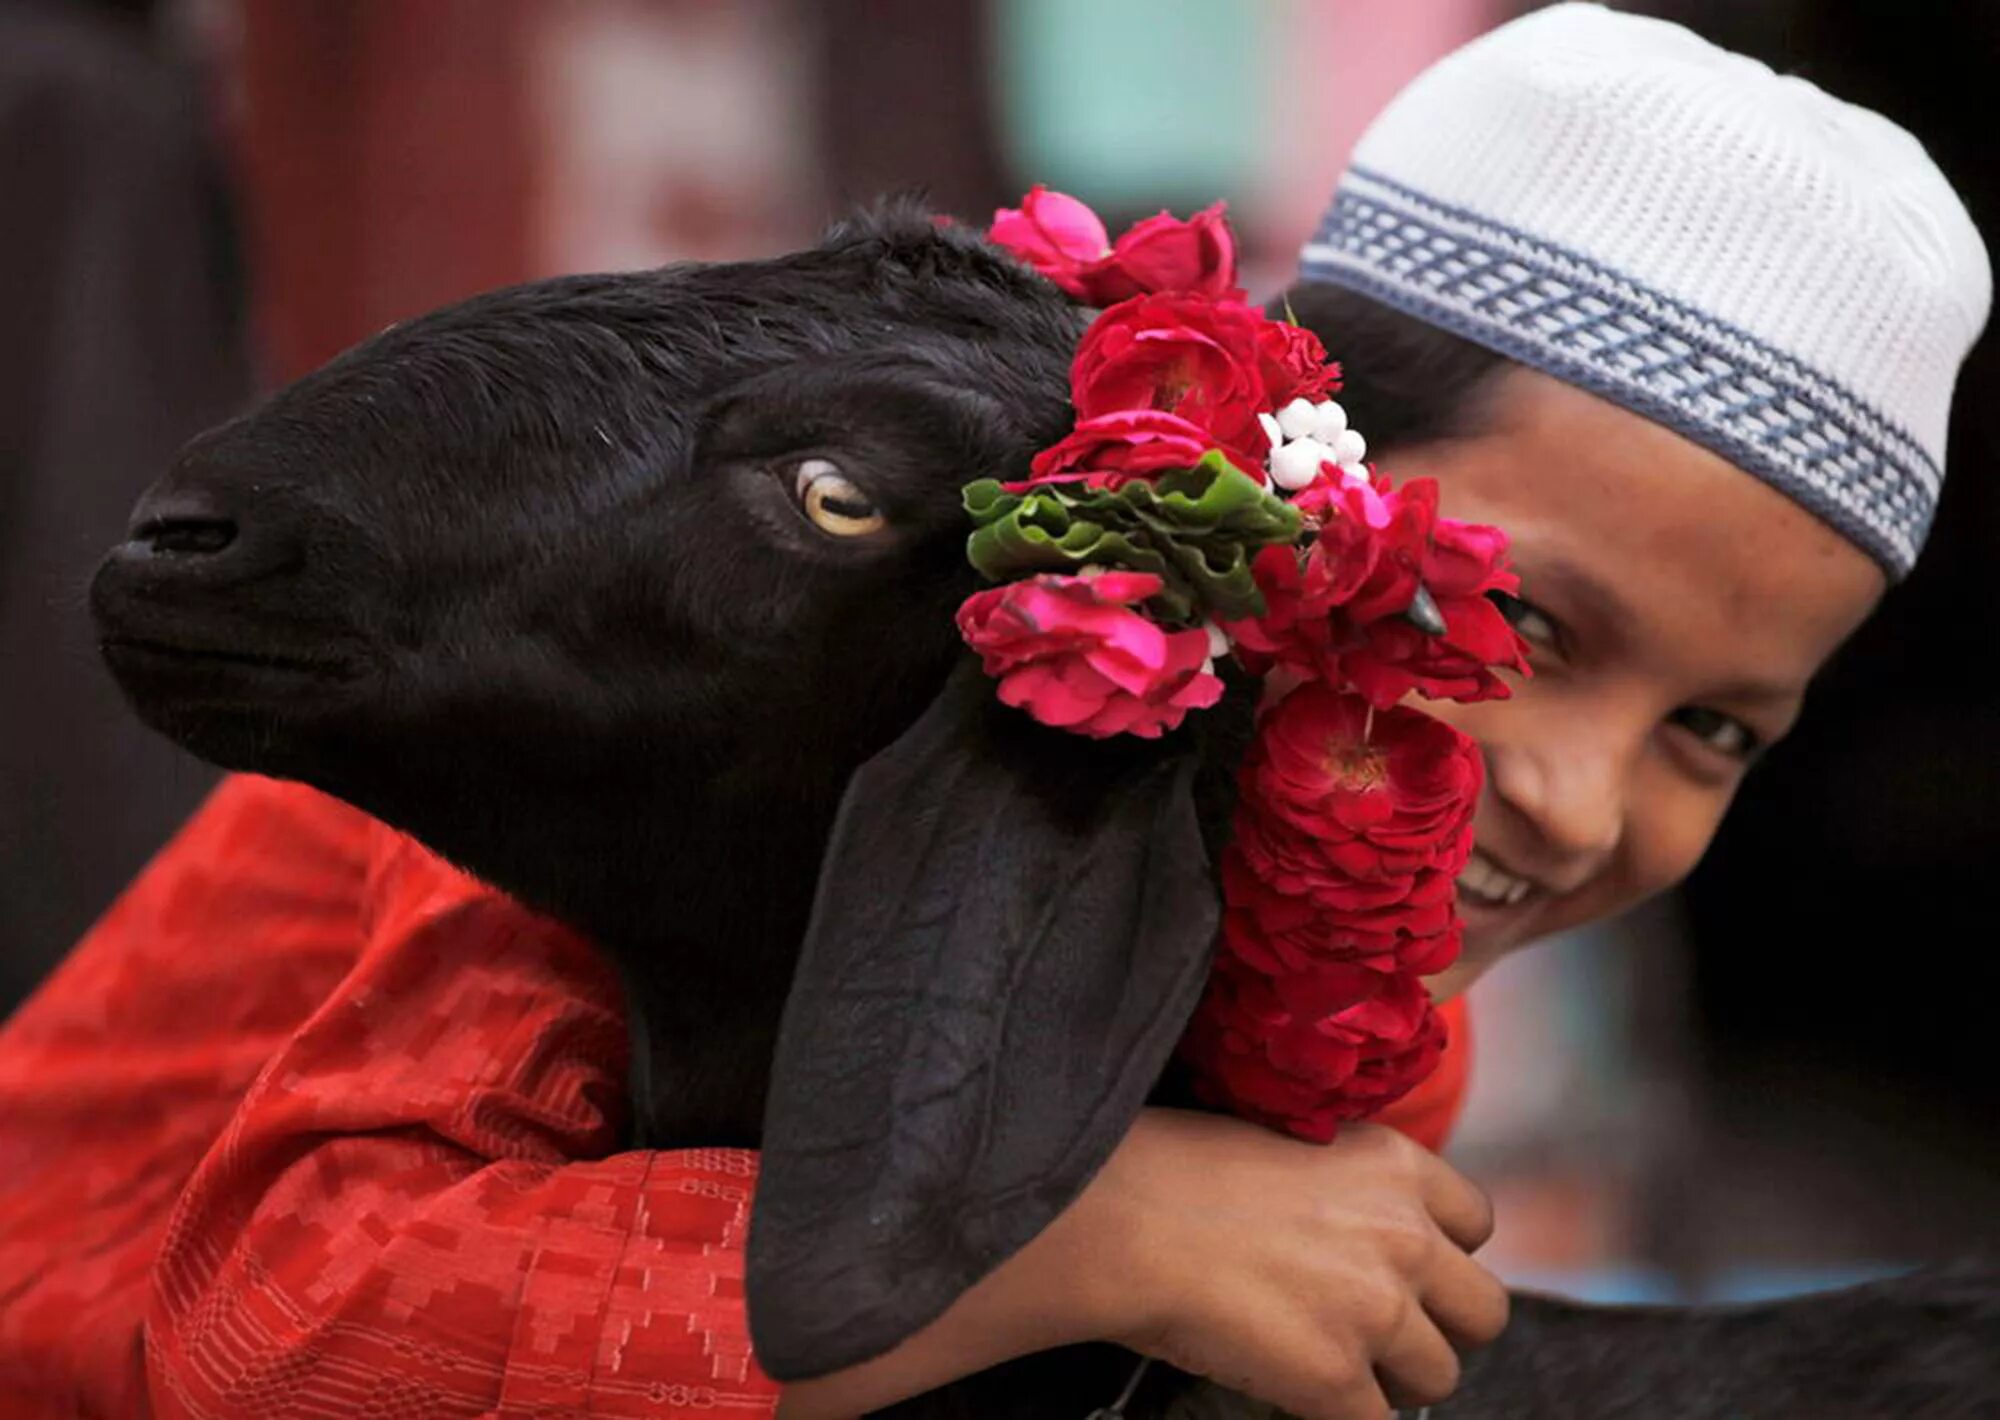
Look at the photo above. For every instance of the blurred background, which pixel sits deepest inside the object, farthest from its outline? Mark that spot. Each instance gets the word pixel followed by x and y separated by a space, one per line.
pixel 1781 1078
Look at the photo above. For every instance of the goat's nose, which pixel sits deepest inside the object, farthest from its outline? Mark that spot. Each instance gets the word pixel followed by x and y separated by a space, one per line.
pixel 193 535
pixel 182 528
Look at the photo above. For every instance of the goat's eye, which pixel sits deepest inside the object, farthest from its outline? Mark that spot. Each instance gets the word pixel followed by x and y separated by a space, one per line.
pixel 833 503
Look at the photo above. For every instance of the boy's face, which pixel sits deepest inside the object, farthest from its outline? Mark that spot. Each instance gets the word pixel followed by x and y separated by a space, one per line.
pixel 1677 608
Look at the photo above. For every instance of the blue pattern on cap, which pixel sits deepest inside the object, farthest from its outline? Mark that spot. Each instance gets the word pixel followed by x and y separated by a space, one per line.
pixel 1585 323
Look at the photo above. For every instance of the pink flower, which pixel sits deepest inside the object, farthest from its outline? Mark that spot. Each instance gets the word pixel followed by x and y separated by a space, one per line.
pixel 1378 541
pixel 1072 653
pixel 1114 449
pixel 1064 240
pixel 1467 560
pixel 1054 233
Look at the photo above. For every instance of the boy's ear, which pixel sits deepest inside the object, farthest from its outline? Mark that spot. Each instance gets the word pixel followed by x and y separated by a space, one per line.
pixel 1012 928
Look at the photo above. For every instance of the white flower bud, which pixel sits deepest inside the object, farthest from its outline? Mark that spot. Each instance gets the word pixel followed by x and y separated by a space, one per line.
pixel 1218 640
pixel 1329 421
pixel 1296 419
pixel 1296 465
pixel 1350 447
pixel 1272 431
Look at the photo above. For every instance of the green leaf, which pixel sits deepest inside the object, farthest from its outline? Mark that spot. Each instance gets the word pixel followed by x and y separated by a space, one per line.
pixel 1197 529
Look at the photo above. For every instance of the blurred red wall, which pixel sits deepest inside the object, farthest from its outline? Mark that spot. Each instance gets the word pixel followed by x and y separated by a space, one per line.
pixel 385 153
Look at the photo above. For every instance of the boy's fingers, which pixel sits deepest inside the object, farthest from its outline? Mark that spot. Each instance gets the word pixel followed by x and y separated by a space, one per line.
pixel 1418 1367
pixel 1460 1206
pixel 1467 1302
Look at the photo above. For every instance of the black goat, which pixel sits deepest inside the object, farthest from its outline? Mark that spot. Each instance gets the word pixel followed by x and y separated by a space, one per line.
pixel 529 578
pixel 537 578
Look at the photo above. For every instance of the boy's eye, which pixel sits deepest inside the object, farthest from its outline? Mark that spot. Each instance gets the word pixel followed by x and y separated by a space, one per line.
pixel 1526 618
pixel 1722 733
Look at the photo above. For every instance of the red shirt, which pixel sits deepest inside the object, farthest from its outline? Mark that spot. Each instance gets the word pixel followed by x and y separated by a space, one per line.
pixel 312 1120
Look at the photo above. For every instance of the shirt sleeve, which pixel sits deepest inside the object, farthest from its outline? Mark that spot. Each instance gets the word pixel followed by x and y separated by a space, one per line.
pixel 412 1212
pixel 119 1072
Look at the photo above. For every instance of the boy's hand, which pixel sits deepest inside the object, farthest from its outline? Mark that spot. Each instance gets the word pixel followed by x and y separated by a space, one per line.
pixel 1332 1281
pixel 1329 1281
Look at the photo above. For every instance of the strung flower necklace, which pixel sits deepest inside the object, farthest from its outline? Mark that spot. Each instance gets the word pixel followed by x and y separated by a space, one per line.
pixel 1213 501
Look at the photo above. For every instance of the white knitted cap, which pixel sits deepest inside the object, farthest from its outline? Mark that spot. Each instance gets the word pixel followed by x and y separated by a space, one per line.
pixel 1784 278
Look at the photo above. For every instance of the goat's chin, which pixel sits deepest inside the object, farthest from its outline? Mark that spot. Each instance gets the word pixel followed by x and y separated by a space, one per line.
pixel 258 716
pixel 239 740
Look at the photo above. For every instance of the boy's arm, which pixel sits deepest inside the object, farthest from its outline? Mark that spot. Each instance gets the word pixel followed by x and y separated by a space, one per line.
pixel 396 1216
pixel 119 1072
pixel 397 1213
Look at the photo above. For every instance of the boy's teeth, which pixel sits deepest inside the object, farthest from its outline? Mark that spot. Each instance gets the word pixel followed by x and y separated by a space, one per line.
pixel 1483 881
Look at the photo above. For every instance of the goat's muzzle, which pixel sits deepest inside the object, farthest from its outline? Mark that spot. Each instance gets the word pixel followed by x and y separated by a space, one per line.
pixel 205 619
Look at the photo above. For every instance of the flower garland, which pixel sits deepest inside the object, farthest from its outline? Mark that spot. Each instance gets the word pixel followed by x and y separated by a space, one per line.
pixel 1142 547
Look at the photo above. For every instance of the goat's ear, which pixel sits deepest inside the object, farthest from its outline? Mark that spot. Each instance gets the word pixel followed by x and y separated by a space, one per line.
pixel 1012 928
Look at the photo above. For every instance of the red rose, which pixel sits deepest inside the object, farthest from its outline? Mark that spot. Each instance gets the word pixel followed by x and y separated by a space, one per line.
pixel 1114 449
pixel 1296 628
pixel 1165 255
pixel 1397 658
pixel 1403 1042
pixel 1367 1011
pixel 1461 564
pixel 1364 557
pixel 1387 558
pixel 1411 927
pixel 1277 932
pixel 1189 357
pixel 1054 233
pixel 1294 364
pixel 1305 1052
pixel 1379 794
pixel 1337 615
pixel 1231 1072
pixel 1352 816
pixel 1072 653
pixel 1372 539
pixel 1291 863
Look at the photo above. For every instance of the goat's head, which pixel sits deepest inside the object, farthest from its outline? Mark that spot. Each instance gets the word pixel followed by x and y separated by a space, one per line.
pixel 606 587
pixel 539 559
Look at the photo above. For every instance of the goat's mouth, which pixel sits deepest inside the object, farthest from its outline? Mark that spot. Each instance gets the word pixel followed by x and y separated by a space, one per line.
pixel 209 695
pixel 238 706
pixel 141 653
